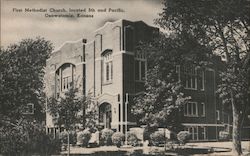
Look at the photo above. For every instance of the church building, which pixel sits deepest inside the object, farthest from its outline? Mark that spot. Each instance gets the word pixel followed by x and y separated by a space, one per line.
pixel 107 66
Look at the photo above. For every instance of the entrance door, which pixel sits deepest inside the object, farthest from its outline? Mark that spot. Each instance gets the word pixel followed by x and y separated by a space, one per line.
pixel 105 115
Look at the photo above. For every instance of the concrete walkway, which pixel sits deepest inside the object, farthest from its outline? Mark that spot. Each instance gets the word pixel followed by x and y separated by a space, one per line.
pixel 81 150
pixel 245 147
pixel 218 145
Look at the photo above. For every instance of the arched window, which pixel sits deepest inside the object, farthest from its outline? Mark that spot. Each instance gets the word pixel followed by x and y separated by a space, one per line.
pixel 64 78
pixel 107 66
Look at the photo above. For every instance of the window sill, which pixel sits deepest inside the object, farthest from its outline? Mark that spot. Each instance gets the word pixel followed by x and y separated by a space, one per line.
pixel 191 88
pixel 191 116
pixel 107 83
pixel 65 90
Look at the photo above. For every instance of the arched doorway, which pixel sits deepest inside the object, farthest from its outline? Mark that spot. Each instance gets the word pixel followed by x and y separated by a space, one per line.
pixel 105 115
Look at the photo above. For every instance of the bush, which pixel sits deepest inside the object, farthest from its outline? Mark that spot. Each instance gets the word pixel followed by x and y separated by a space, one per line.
pixel 27 140
pixel 147 132
pixel 224 136
pixel 132 139
pixel 63 136
pixel 40 143
pixel 106 136
pixel 146 135
pixel 118 138
pixel 183 137
pixel 53 146
pixel 83 137
pixel 72 137
pixel 12 141
pixel 157 138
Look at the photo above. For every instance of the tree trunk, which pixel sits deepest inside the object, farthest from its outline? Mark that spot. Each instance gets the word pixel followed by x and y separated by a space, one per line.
pixel 68 144
pixel 236 135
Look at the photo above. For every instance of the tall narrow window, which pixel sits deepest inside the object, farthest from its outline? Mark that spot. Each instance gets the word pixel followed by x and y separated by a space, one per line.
pixel 194 132
pixel 137 70
pixel 57 85
pixel 217 114
pixel 111 70
pixel 190 109
pixel 190 74
pixel 185 109
pixel 203 109
pixel 107 71
pixel 140 66
pixel 143 70
pixel 201 79
pixel 203 133
pixel 108 67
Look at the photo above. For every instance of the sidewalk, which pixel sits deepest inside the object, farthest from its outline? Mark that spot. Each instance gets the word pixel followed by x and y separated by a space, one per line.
pixel 245 147
pixel 219 145
pixel 79 150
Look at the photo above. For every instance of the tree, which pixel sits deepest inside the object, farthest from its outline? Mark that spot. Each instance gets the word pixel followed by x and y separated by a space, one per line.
pixel 21 79
pixel 221 26
pixel 68 110
pixel 21 82
pixel 91 113
pixel 71 109
pixel 159 105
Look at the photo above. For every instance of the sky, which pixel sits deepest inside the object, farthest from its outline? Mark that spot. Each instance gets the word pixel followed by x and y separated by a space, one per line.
pixel 20 25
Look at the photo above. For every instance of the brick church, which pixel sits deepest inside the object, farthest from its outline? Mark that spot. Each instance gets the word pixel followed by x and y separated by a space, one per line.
pixel 107 66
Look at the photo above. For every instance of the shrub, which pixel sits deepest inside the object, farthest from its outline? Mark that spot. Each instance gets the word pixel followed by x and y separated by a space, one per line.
pixel 72 137
pixel 147 132
pixel 183 137
pixel 41 143
pixel 132 139
pixel 157 138
pixel 118 138
pixel 63 136
pixel 223 135
pixel 12 141
pixel 53 146
pixel 146 135
pixel 106 136
pixel 27 140
pixel 83 137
